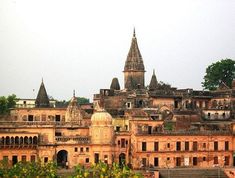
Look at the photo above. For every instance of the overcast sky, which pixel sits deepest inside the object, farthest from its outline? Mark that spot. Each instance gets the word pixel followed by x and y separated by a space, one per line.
pixel 83 44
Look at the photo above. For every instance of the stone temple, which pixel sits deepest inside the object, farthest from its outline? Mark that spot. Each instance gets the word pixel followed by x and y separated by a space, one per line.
pixel 143 125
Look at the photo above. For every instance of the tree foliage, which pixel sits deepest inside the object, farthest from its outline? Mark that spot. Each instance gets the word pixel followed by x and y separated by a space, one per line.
pixel 103 170
pixel 220 72
pixel 27 170
pixel 81 100
pixel 6 103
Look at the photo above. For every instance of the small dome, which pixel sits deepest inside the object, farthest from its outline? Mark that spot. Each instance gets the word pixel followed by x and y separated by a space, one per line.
pixel 101 117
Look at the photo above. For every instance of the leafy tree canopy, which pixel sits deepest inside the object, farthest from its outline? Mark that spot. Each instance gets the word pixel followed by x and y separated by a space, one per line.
pixel 220 72
pixel 81 100
pixel 6 103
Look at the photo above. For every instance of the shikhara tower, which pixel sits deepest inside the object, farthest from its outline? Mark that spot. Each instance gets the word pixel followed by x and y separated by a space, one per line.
pixel 134 67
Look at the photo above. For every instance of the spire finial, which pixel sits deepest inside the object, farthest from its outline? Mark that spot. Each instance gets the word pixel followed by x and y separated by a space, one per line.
pixel 73 93
pixel 153 71
pixel 134 33
pixel 42 79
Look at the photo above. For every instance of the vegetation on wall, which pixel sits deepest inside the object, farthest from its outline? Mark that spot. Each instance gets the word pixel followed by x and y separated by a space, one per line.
pixel 218 73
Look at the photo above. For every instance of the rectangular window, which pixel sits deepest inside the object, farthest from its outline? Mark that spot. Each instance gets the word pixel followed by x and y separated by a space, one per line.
pixel 23 158
pixel 144 146
pixel 30 117
pixel 87 149
pixel 45 159
pixel 194 146
pixel 119 142
pixel 216 160
pixel 14 160
pixel 32 158
pixel 178 161
pixel 44 117
pixel 58 134
pixel 178 146
pixel 186 146
pixel 156 146
pixel 122 143
pixel 226 145
pixel 106 159
pixel 194 161
pixel 118 129
pixel 144 162
pixel 204 145
pixel 226 160
pixel 156 162
pixel 204 158
pixel 87 160
pixel 97 158
pixel 216 146
pixel 57 118
pixel 168 145
pixel 81 149
pixel 75 149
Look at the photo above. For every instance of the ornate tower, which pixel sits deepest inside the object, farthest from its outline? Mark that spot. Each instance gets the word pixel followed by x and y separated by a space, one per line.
pixel 134 67
pixel 73 112
pixel 42 100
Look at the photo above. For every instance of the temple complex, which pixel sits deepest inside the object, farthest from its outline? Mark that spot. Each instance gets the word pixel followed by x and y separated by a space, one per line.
pixel 145 126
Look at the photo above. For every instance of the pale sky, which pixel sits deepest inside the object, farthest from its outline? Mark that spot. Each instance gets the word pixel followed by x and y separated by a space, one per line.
pixel 83 44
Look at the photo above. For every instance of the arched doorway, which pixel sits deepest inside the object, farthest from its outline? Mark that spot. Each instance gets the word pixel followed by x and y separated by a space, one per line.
pixel 122 159
pixel 62 158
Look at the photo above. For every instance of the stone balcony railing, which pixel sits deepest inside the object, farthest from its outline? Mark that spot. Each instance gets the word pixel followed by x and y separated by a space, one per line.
pixel 6 124
pixel 193 132
pixel 72 139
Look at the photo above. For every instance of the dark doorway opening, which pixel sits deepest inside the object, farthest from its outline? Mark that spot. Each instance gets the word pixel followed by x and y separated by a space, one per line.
pixel 122 159
pixel 97 158
pixel 14 160
pixel 62 158
pixel 30 117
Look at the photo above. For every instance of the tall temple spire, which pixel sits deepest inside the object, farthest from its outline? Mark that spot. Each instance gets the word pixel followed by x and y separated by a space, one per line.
pixel 153 83
pixel 134 66
pixel 42 100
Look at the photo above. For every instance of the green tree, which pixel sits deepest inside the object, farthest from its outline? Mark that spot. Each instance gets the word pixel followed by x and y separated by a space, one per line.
pixel 3 105
pixel 6 103
pixel 82 100
pixel 222 71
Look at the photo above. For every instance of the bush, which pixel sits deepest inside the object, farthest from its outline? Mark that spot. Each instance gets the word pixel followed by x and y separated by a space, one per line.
pixel 28 170
pixel 103 170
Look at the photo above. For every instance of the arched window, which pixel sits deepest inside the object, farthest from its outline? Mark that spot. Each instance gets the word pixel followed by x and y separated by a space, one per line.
pixel 26 140
pixel 2 141
pixel 12 140
pixel 30 140
pixel 21 141
pixel 35 140
pixel 7 140
pixel 17 140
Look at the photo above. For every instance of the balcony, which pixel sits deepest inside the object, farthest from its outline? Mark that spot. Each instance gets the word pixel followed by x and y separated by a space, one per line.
pixel 72 139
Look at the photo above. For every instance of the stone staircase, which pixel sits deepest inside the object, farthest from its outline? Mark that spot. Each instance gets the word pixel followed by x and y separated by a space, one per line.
pixel 192 173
